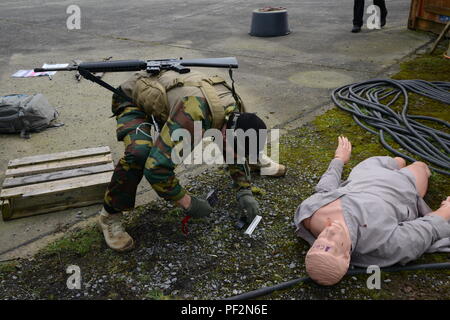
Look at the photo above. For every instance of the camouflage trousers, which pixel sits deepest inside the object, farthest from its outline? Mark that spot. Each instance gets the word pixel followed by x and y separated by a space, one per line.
pixel 154 159
pixel 121 192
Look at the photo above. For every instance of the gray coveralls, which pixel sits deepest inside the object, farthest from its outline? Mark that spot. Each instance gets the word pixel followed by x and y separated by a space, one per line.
pixel 383 212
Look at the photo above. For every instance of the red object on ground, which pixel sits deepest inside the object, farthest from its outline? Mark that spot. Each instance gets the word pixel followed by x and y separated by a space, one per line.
pixel 184 227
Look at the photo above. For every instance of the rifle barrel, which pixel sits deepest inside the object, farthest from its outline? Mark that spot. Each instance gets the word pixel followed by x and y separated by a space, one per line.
pixel 114 66
pixel 68 68
pixel 229 62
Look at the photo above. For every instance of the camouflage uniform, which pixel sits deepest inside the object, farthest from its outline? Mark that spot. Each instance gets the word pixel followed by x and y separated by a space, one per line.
pixel 143 157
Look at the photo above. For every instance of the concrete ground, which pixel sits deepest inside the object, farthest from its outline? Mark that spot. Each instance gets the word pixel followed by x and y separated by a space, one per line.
pixel 285 79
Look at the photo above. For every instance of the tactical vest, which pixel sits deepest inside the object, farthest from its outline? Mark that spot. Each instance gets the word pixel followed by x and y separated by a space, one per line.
pixel 158 94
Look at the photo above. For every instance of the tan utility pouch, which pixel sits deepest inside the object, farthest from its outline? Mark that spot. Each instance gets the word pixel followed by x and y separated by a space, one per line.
pixel 149 94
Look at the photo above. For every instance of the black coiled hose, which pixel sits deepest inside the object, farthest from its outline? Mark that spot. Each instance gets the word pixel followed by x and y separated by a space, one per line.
pixel 285 285
pixel 363 101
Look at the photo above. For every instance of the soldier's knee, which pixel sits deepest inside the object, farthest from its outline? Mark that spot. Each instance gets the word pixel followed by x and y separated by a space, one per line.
pixel 135 158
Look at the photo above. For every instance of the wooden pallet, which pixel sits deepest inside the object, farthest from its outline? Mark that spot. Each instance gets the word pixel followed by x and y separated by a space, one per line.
pixel 54 182
pixel 429 15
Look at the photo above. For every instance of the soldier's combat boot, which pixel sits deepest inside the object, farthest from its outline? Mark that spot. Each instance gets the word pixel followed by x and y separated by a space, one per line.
pixel 268 167
pixel 115 236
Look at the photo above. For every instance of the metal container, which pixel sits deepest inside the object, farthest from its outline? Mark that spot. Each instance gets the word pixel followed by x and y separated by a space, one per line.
pixel 269 22
pixel 429 15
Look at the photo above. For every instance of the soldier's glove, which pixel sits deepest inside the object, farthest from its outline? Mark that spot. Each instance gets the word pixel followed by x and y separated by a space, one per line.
pixel 248 203
pixel 199 208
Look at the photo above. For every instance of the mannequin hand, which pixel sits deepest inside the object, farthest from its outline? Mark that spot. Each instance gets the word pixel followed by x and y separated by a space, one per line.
pixel 344 149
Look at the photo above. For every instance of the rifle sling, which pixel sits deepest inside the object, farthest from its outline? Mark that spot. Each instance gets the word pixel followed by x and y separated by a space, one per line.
pixel 89 76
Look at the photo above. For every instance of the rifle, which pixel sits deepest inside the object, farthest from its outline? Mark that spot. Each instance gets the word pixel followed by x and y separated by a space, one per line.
pixel 86 69
pixel 153 67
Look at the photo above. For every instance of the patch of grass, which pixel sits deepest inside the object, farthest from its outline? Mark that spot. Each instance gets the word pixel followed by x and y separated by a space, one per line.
pixel 157 295
pixel 79 243
pixel 429 67
pixel 8 267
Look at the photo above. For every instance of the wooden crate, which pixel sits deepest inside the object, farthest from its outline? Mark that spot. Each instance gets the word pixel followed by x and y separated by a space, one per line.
pixel 54 182
pixel 429 15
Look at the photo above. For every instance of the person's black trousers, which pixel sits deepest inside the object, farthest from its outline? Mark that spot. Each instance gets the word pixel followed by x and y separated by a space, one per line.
pixel 358 11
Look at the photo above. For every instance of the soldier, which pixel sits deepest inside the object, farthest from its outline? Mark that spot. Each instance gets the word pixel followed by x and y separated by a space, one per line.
pixel 175 101
pixel 358 13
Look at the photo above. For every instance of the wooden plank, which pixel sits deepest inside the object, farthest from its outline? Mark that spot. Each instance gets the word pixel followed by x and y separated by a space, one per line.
pixel 24 207
pixel 441 11
pixel 6 209
pixel 429 25
pixel 56 186
pixel 57 175
pixel 59 165
pixel 413 12
pixel 95 192
pixel 49 209
pixel 33 212
pixel 58 156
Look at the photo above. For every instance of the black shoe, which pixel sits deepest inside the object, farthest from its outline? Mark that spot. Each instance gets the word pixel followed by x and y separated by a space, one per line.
pixel 356 29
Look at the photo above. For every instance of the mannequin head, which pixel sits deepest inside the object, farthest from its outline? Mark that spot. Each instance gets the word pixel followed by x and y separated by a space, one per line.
pixel 328 259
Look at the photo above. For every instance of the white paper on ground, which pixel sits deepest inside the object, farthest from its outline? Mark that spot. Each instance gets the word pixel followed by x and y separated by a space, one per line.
pixel 31 73
pixel 253 225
